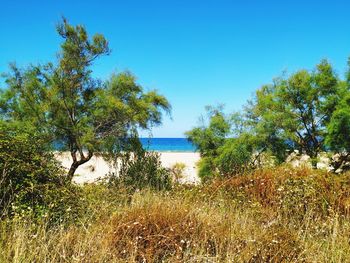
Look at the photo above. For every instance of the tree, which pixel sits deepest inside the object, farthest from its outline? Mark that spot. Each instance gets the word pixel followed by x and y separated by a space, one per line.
pixel 71 108
pixel 208 138
pixel 293 112
pixel 338 131
pixel 236 156
pixel 225 145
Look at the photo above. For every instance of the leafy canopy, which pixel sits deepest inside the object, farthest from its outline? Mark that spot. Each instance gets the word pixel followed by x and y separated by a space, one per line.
pixel 219 142
pixel 70 107
pixel 307 111
pixel 293 112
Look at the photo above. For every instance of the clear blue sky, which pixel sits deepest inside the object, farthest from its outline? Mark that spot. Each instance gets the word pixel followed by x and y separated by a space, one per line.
pixel 194 52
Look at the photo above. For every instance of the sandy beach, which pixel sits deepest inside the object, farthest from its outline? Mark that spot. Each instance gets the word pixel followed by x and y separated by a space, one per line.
pixel 97 167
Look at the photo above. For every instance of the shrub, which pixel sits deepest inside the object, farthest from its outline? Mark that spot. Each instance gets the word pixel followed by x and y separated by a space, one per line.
pixel 31 180
pixel 140 170
pixel 206 169
pixel 234 157
pixel 177 172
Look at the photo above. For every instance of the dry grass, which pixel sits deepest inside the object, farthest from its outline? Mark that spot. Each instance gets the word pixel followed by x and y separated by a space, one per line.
pixel 269 216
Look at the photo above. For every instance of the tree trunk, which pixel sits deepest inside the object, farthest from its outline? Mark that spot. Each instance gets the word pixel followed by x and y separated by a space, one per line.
pixel 74 166
pixel 76 163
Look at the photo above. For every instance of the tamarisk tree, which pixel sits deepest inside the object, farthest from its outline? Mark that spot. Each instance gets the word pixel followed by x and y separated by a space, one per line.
pixel 71 108
pixel 296 110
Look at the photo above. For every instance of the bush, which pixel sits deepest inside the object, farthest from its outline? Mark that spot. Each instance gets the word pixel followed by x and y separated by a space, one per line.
pixel 31 180
pixel 177 172
pixel 206 169
pixel 234 157
pixel 140 170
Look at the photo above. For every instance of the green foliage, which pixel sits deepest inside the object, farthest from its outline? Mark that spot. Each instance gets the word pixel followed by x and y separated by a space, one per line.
pixel 206 169
pixel 295 110
pixel 65 103
pixel 140 170
pixel 122 107
pixel 338 133
pixel 31 181
pixel 338 136
pixel 225 146
pixel 307 111
pixel 235 157
pixel 208 139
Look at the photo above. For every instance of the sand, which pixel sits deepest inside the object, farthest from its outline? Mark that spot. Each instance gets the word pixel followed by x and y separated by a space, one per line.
pixel 97 167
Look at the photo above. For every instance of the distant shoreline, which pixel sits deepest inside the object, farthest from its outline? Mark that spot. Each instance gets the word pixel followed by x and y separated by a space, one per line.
pixel 162 145
pixel 170 151
pixel 168 144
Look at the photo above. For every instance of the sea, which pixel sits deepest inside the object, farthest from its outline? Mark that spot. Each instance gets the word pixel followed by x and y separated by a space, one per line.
pixel 168 144
pixel 157 144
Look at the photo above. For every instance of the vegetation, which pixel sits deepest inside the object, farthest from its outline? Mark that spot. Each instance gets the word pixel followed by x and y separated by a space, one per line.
pixel 296 110
pixel 139 170
pixel 177 172
pixel 68 107
pixel 279 215
pixel 250 206
pixel 31 180
pixel 306 112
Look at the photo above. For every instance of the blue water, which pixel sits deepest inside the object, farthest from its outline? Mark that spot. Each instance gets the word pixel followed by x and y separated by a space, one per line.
pixel 168 144
pixel 156 144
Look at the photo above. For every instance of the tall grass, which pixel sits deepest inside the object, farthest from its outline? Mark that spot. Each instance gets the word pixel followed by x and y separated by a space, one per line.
pixel 280 215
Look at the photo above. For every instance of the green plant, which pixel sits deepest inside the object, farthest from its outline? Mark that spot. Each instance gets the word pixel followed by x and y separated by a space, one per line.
pixel 31 180
pixel 234 157
pixel 139 170
pixel 177 172
pixel 71 108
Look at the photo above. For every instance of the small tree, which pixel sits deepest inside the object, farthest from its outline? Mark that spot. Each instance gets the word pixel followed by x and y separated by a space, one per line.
pixel 293 112
pixel 69 107
pixel 208 138
pixel 224 143
pixel 290 114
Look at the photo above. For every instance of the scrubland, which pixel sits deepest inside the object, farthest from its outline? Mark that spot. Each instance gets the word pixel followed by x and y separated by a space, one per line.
pixel 270 215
